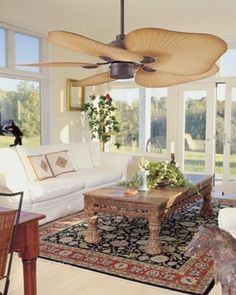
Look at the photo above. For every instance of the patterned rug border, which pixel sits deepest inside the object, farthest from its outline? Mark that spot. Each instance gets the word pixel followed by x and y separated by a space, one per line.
pixel 105 262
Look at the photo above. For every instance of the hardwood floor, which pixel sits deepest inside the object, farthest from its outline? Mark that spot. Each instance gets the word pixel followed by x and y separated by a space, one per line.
pixel 59 279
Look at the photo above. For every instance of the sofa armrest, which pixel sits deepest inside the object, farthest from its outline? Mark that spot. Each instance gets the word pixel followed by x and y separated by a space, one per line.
pixel 119 161
pixel 227 220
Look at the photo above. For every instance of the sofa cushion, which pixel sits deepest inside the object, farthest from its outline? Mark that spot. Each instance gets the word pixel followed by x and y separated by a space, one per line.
pixel 98 176
pixel 81 154
pixel 95 151
pixel 59 162
pixel 40 166
pixel 55 187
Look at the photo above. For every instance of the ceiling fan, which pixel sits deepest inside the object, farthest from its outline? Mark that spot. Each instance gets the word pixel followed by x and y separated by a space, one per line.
pixel 154 57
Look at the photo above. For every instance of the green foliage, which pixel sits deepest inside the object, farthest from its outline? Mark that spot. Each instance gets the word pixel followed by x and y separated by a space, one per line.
pixel 160 174
pixel 102 121
pixel 128 118
pixel 24 106
pixel 195 120
pixel 30 113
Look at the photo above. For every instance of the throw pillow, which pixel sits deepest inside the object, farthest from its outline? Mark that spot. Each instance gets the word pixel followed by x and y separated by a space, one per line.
pixel 40 166
pixel 59 162
pixel 81 155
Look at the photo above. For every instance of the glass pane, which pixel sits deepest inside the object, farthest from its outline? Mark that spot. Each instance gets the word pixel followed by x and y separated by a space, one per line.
pixel 157 143
pixel 127 103
pixel 20 102
pixel 2 48
pixel 228 63
pixel 220 117
pixel 27 51
pixel 233 137
pixel 195 130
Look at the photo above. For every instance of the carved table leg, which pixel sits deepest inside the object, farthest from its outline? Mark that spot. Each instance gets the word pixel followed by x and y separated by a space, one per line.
pixel 206 209
pixel 153 244
pixel 92 235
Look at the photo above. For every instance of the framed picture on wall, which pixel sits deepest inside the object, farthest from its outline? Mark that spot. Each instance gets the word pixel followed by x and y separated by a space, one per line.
pixel 74 95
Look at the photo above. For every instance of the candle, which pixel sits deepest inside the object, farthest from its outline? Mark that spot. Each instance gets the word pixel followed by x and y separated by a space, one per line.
pixel 172 147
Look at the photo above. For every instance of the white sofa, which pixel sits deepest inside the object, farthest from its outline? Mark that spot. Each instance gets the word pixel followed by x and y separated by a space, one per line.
pixel 62 194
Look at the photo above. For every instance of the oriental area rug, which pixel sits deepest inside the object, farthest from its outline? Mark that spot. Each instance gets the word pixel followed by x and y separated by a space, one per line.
pixel 121 251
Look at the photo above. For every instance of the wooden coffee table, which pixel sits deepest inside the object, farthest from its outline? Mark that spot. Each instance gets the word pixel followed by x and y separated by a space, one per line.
pixel 155 205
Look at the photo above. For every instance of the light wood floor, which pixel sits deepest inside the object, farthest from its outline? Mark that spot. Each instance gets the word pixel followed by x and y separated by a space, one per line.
pixel 59 279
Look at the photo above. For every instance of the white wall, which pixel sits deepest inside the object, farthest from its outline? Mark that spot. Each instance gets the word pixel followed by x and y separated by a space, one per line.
pixel 68 126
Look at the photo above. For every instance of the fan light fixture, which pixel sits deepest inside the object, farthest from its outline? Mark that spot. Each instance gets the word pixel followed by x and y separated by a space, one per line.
pixel 154 57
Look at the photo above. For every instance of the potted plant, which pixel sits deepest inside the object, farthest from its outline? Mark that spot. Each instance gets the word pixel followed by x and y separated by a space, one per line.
pixel 101 117
pixel 161 174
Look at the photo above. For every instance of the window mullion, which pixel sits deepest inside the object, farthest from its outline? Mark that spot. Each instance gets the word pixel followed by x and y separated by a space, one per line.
pixel 10 49
pixel 144 119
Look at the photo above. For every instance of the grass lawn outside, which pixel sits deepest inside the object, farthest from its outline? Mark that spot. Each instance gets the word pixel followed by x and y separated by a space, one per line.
pixel 194 162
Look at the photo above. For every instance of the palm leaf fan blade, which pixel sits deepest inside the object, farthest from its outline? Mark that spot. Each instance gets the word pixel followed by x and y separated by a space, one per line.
pixel 176 52
pixel 89 46
pixel 160 79
pixel 61 64
pixel 94 80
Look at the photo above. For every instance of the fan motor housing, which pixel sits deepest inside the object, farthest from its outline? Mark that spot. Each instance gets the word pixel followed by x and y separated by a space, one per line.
pixel 121 70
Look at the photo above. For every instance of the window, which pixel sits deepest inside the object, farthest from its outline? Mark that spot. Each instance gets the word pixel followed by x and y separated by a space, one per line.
pixel 20 102
pixel 27 51
pixel 2 48
pixel 127 104
pixel 142 114
pixel 195 130
pixel 228 63
pixel 158 114
pixel 20 88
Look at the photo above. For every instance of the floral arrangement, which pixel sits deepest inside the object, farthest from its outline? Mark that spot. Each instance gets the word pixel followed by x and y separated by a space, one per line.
pixel 102 121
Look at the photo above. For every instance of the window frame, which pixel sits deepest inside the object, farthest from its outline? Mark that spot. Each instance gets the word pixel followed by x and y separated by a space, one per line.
pixel 144 114
pixel 43 76
pixel 5 37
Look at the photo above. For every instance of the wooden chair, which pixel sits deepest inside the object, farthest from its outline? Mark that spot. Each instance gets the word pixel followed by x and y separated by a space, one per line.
pixel 9 220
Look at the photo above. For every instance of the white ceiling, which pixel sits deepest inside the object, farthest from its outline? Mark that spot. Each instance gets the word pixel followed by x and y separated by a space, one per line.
pixel 100 19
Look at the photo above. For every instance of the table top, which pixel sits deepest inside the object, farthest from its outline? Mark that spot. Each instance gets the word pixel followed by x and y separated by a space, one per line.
pixel 157 196
pixel 26 216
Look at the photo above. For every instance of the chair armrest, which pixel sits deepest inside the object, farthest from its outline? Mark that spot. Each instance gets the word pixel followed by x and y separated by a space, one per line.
pixel 119 161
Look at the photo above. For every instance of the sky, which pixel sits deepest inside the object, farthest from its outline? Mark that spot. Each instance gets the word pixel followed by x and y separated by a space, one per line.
pixel 27 50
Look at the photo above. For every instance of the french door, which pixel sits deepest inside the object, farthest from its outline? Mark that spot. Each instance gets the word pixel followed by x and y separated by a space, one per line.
pixel 196 128
pixel 229 157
